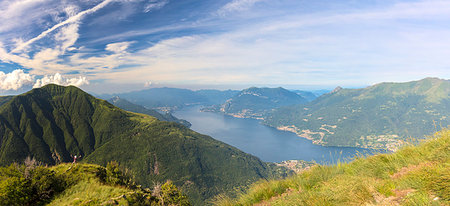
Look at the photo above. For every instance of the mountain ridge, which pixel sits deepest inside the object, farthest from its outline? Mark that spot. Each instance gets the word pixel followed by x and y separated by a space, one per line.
pixel 126 105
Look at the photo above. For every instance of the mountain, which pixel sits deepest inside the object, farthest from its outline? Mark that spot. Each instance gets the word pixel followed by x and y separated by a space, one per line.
pixel 4 99
pixel 255 102
pixel 320 92
pixel 382 116
pixel 217 96
pixel 167 99
pixel 53 122
pixel 306 94
pixel 415 175
pixel 126 105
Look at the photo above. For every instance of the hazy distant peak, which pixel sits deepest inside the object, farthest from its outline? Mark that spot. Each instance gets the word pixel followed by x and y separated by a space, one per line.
pixel 338 88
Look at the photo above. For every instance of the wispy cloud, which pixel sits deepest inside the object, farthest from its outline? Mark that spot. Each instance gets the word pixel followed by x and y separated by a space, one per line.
pixel 70 20
pixel 118 47
pixel 13 13
pixel 237 6
pixel 154 5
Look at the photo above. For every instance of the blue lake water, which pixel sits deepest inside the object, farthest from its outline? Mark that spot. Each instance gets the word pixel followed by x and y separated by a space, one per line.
pixel 267 143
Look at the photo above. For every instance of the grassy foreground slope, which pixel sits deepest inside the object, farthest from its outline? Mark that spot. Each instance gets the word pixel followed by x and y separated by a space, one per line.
pixel 415 175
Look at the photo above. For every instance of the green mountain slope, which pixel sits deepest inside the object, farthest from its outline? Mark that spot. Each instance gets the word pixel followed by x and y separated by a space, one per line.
pixel 415 175
pixel 255 102
pixel 53 122
pixel 381 116
pixel 4 99
pixel 126 105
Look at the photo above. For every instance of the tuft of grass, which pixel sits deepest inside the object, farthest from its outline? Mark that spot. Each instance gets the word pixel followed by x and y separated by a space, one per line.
pixel 415 175
pixel 91 192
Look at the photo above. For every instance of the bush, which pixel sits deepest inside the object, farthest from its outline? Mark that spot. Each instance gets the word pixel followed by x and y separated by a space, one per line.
pixel 115 175
pixel 15 191
pixel 29 185
pixel 170 195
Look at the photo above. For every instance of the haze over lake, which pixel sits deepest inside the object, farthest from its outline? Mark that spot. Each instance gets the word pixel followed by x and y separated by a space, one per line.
pixel 265 142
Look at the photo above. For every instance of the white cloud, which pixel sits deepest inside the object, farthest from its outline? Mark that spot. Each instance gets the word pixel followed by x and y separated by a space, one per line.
pixel 18 79
pixel 60 80
pixel 148 84
pixel 237 5
pixel 15 80
pixel 16 13
pixel 47 58
pixel 68 36
pixel 70 20
pixel 118 47
pixel 155 5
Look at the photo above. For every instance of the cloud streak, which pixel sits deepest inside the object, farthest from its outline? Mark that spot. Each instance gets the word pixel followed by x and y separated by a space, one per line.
pixel 237 6
pixel 70 20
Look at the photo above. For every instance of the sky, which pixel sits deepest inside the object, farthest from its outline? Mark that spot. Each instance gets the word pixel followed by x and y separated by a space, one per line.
pixel 107 46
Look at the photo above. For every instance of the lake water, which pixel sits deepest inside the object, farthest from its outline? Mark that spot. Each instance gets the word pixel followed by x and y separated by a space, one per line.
pixel 267 143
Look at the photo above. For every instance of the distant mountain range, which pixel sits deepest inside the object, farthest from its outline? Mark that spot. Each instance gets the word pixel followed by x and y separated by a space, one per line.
pixel 255 102
pixel 381 116
pixel 126 105
pixel 309 96
pixel 167 99
pixel 54 122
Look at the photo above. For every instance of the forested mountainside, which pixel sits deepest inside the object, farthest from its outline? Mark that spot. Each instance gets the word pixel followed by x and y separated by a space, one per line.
pixel 4 99
pixel 54 122
pixel 126 105
pixel 382 116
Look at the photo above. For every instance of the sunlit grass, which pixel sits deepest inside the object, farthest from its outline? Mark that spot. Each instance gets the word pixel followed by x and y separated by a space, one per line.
pixel 415 175
pixel 90 192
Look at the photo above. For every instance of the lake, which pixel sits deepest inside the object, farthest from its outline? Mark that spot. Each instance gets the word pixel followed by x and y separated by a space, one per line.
pixel 267 143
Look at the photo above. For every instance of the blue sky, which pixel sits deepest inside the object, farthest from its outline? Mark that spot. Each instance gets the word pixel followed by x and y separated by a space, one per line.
pixel 120 45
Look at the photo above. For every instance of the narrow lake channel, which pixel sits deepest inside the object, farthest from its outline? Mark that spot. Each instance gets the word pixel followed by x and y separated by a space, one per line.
pixel 267 143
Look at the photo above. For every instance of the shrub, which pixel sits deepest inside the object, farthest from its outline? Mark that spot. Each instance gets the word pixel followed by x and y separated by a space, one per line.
pixel 116 175
pixel 170 195
pixel 29 184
